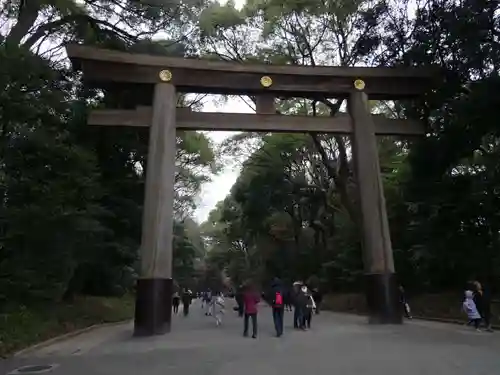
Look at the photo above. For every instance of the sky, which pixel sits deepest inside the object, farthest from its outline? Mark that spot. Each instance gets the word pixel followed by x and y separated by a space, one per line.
pixel 219 187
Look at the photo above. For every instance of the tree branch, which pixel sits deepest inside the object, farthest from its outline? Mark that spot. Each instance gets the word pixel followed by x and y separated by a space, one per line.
pixel 28 13
pixel 54 26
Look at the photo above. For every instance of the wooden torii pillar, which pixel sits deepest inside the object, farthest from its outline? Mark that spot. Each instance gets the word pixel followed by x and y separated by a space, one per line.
pixel 380 277
pixel 153 309
pixel 163 76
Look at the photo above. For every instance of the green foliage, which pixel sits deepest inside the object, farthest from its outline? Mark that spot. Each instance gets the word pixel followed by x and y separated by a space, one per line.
pixel 188 247
pixel 295 205
pixel 21 327
pixel 72 196
pixel 218 17
pixel 446 199
pixel 49 184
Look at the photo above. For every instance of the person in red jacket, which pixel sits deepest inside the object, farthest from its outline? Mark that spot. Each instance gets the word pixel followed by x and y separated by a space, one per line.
pixel 250 300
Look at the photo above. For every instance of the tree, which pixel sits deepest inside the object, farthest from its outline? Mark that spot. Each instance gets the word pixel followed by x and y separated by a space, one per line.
pixel 296 197
pixel 47 24
pixel 50 188
pixel 72 195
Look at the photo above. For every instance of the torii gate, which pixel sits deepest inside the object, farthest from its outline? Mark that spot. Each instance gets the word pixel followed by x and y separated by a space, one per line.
pixel 160 78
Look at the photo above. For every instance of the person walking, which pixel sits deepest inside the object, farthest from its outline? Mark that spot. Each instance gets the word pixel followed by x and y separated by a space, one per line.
pixel 208 302
pixel 318 298
pixel 404 303
pixel 203 296
pixel 176 300
pixel 288 298
pixel 186 301
pixel 218 308
pixel 239 297
pixel 250 302
pixel 302 300
pixel 294 299
pixel 470 308
pixel 310 307
pixel 483 304
pixel 277 305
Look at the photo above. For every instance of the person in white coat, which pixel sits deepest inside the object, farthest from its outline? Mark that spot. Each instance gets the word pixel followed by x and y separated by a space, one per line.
pixel 218 308
pixel 470 308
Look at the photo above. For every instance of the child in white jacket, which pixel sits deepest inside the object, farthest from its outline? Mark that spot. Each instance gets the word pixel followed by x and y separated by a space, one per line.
pixel 470 309
pixel 218 309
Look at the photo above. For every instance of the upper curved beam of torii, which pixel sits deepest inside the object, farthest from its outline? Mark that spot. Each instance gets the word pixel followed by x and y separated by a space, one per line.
pixel 191 75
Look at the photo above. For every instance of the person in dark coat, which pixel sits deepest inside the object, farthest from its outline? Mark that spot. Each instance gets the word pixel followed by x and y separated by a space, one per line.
pixel 297 317
pixel 483 304
pixel 239 300
pixel 277 304
pixel 186 301
pixel 301 303
pixel 176 300
pixel 404 302
pixel 288 299
pixel 318 297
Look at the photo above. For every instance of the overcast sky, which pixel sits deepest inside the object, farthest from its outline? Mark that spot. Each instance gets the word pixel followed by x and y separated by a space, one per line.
pixel 217 190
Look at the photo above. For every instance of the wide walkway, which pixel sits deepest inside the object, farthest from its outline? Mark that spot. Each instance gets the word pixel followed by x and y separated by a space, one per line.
pixel 337 344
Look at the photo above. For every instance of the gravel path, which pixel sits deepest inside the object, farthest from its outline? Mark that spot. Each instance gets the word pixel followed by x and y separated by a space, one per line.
pixel 336 344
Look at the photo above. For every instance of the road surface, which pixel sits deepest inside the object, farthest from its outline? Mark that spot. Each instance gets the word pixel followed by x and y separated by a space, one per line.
pixel 336 344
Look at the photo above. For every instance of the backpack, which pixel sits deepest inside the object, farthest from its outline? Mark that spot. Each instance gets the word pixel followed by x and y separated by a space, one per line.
pixel 278 299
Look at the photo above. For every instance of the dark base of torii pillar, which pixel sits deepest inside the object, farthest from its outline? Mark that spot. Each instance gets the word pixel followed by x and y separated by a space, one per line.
pixel 153 307
pixel 382 299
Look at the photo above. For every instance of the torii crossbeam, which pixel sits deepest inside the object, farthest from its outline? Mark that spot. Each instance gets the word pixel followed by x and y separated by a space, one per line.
pixel 160 78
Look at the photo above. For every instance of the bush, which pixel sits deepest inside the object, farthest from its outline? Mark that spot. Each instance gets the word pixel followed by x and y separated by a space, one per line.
pixel 437 305
pixel 21 327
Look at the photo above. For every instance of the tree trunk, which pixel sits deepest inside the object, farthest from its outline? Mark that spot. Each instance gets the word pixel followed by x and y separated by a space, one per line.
pixel 28 13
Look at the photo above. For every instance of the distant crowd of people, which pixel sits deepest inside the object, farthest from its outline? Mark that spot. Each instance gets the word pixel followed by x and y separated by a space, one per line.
pixel 305 302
